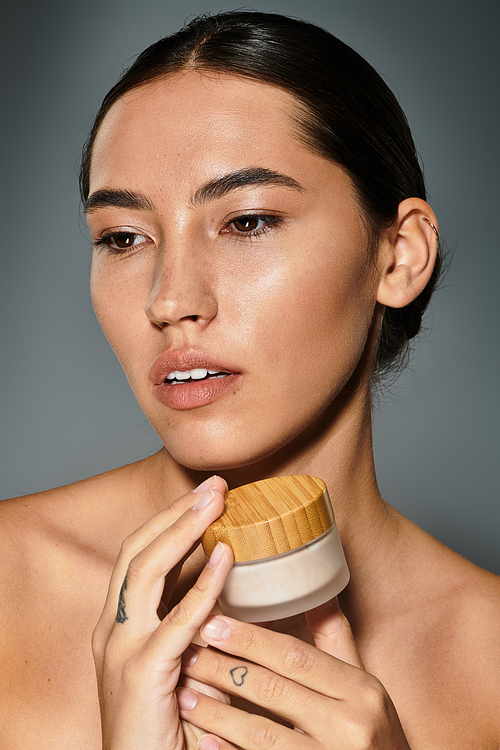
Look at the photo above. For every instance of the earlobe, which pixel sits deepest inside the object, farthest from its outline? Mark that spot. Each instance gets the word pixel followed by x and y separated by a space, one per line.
pixel 407 254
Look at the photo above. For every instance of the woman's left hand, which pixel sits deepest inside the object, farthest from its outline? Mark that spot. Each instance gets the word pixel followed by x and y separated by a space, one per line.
pixel 323 691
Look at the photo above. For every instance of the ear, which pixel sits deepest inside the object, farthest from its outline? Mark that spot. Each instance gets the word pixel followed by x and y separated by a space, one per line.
pixel 407 253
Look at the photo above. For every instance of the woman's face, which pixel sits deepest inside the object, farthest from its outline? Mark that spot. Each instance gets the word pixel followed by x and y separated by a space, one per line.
pixel 229 254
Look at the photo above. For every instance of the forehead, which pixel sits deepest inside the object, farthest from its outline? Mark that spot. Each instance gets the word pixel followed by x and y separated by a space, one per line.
pixel 196 125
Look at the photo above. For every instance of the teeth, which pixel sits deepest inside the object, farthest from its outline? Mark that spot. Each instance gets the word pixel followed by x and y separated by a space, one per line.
pixel 197 374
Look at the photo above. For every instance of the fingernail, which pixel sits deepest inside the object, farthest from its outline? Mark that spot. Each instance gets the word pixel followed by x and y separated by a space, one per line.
pixel 216 555
pixel 204 500
pixel 206 484
pixel 207 742
pixel 186 699
pixel 216 629
pixel 189 657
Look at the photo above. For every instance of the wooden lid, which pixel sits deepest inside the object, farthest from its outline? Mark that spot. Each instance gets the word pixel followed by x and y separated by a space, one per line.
pixel 267 518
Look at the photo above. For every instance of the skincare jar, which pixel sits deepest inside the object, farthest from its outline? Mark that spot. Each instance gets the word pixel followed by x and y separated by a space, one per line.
pixel 287 550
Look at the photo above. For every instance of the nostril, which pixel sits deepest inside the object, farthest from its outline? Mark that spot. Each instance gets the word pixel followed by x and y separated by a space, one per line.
pixel 175 305
pixel 175 321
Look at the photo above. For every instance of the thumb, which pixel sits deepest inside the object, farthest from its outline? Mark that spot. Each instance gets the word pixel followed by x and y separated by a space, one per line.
pixel 332 633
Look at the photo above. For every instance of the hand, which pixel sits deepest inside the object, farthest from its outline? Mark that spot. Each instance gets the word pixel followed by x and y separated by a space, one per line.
pixel 323 691
pixel 137 655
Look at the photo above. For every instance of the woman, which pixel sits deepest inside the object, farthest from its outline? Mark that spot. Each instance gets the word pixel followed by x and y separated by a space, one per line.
pixel 263 251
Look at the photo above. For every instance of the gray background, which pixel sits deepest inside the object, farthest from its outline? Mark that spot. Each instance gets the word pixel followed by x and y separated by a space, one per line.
pixel 67 411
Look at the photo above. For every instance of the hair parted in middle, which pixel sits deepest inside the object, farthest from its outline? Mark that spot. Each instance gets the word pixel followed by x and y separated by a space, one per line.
pixel 346 113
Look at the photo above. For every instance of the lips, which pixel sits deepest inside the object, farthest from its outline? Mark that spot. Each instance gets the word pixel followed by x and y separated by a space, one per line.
pixel 189 380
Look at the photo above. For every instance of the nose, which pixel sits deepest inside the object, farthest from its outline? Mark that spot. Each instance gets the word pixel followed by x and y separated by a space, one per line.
pixel 182 291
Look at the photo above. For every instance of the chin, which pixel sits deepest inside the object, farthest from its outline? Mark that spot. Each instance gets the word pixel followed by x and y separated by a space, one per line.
pixel 215 445
pixel 214 461
pixel 219 453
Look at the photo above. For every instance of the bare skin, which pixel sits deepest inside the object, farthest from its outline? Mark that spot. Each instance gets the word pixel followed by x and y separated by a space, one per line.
pixel 425 622
pixel 427 627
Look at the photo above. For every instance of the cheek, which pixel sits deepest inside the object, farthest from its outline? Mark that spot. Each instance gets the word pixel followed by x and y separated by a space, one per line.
pixel 103 300
pixel 114 309
pixel 320 313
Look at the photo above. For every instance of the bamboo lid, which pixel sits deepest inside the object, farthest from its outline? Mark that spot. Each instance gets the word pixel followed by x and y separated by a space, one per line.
pixel 272 516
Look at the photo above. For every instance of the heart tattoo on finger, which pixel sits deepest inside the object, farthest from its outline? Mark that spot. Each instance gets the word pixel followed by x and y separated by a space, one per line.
pixel 238 675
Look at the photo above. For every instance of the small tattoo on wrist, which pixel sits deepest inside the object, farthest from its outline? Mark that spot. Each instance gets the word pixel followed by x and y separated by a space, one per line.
pixel 121 615
pixel 238 675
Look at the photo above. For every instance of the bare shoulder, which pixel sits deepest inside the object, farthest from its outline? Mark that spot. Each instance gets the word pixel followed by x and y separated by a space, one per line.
pixel 447 673
pixel 57 549
pixel 52 545
pixel 464 663
pixel 467 603
pixel 95 513
pixel 473 622
pixel 65 518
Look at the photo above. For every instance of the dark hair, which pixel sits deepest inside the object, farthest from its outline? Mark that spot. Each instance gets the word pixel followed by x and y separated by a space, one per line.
pixel 348 115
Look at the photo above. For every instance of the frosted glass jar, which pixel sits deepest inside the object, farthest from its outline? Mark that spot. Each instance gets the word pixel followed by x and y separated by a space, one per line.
pixel 288 554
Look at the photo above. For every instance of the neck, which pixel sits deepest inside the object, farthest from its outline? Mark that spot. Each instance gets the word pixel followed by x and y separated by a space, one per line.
pixel 338 449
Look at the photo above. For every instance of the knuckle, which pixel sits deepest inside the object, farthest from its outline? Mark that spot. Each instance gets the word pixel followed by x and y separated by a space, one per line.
pixel 247 640
pixel 270 687
pixel 365 727
pixel 264 735
pixel 219 669
pixel 128 548
pixel 300 659
pixel 183 614
pixel 98 643
pixel 365 738
pixel 200 588
pixel 215 713
pixel 136 567
pixel 374 698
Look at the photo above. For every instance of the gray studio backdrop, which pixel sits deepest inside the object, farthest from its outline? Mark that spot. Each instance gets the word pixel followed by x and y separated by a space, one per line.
pixel 67 411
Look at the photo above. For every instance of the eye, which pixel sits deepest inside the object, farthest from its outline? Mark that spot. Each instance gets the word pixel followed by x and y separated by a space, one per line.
pixel 248 223
pixel 251 225
pixel 120 242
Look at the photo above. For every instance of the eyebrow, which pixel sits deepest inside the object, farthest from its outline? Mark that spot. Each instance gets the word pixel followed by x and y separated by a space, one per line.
pixel 108 197
pixel 242 178
pixel 213 190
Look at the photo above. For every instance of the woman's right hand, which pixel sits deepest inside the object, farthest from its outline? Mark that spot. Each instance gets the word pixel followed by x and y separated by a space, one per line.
pixel 138 655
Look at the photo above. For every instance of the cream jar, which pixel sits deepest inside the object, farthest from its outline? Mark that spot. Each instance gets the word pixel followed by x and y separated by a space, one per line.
pixel 287 550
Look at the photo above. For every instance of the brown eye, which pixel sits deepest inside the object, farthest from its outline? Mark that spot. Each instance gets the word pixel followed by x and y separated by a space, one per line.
pixel 247 226
pixel 246 223
pixel 123 241
pixel 120 242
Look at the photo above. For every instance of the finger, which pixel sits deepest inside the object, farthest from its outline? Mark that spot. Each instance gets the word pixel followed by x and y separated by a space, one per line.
pixel 191 733
pixel 141 539
pixel 176 631
pixel 332 633
pixel 283 654
pixel 142 673
pixel 151 666
pixel 130 547
pixel 261 687
pixel 237 727
pixel 202 687
pixel 217 483
pixel 146 572
pixel 156 525
pixel 211 742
